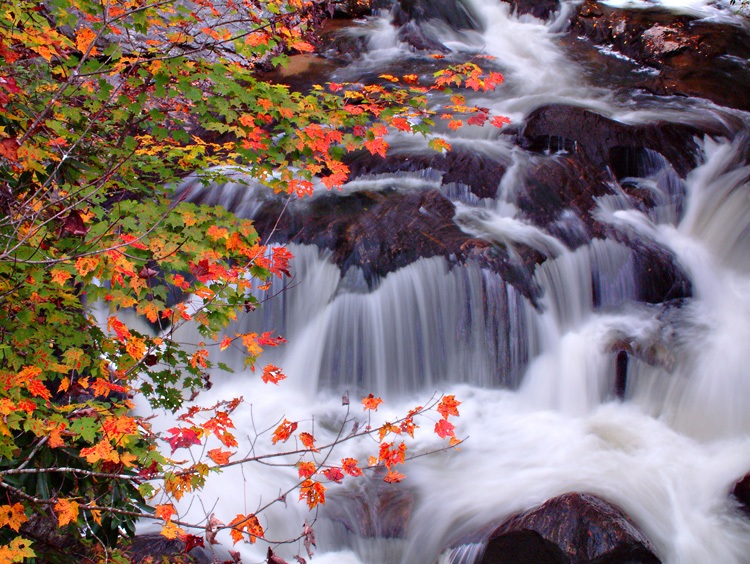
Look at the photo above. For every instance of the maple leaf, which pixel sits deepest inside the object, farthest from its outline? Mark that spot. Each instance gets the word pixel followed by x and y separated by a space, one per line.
pixel 225 342
pixel 248 523
pixel 439 145
pixel 349 465
pixel 266 340
pixel 84 38
pixel 171 531
pixel 191 541
pixel 401 123
pixel 273 374
pixel 308 440
pixel 219 456
pixel 59 276
pixel 13 516
pixel 303 46
pixel 455 124
pixel 309 541
pixel 371 402
pixel 164 512
pixel 313 493
pixel 448 406
pixel 182 438
pixel 393 477
pixel 67 511
pixel 444 429
pixel 283 431
pixel 376 146
pixel 499 121
pixel 306 469
pixel 334 474
pixel 100 451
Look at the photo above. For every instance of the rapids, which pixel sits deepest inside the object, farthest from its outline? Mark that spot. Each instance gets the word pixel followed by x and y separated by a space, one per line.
pixel 536 381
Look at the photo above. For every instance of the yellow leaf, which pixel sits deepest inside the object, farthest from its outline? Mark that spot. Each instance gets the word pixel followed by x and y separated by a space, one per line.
pixel 60 276
pixel 67 511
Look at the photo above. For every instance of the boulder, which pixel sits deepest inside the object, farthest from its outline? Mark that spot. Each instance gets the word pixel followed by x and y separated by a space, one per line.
pixel 380 232
pixel 574 528
pixel 694 57
pixel 542 9
pixel 456 13
pixel 558 127
pixel 741 493
pixel 481 174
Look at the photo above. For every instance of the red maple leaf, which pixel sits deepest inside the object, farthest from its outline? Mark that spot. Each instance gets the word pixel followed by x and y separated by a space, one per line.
pixel 182 438
pixel 371 402
pixel 445 429
pixel 334 474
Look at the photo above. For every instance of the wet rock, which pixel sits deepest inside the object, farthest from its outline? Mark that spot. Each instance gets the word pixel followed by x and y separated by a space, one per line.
pixel 413 34
pixel 155 548
pixel 542 9
pixel 456 13
pixel 583 528
pixel 693 57
pixel 561 184
pixel 741 493
pixel 558 127
pixel 381 232
pixel 480 173
pixel 375 511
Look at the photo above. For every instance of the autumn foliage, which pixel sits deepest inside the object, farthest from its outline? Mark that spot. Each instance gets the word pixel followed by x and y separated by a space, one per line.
pixel 104 106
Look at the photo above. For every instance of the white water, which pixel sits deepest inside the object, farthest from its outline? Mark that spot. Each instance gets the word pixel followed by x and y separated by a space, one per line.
pixel 668 454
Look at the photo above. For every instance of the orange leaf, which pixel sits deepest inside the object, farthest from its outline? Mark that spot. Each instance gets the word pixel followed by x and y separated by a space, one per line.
pixel 67 511
pixel 306 469
pixel 164 512
pixel 303 46
pixel 349 466
pixel 371 402
pixel 219 456
pixel 308 440
pixel 248 523
pixel 273 374
pixel 84 38
pixel 312 493
pixel 393 477
pixel 448 406
pixel 13 516
pixel 283 431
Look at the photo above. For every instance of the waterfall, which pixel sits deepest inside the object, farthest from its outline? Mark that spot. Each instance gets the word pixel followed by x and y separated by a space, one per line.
pixel 541 408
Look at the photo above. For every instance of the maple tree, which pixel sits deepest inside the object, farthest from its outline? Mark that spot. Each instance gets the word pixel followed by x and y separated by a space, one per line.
pixel 105 107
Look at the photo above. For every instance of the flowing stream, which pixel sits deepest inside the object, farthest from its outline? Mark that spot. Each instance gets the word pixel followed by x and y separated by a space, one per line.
pixel 537 381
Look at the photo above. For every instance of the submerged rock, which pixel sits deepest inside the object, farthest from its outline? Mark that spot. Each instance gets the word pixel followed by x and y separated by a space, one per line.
pixel 574 528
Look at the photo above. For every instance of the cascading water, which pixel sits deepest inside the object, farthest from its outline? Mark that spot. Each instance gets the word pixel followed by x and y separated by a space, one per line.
pixel 535 375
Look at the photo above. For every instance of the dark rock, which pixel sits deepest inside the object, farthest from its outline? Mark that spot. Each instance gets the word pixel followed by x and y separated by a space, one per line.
pixel 584 528
pixel 523 547
pixel 455 13
pixel 741 492
pixel 480 173
pixel 574 129
pixel 157 547
pixel 694 57
pixel 558 184
pixel 542 9
pixel 375 511
pixel 380 232
pixel 413 34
